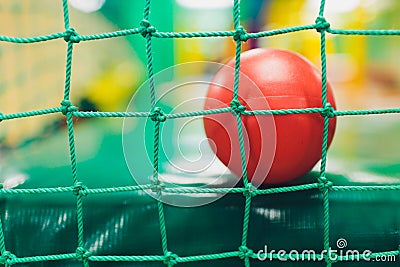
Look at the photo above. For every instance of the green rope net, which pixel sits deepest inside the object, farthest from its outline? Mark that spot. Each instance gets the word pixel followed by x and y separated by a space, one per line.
pixel 239 35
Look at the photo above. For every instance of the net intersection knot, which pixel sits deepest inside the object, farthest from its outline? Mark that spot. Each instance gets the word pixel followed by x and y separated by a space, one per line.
pixel 240 34
pixel 237 107
pixel 157 186
pixel 249 190
pixel 328 111
pixel 7 258
pixel 71 35
pixel 323 183
pixel 321 24
pixel 170 258
pixel 80 189
pixel 66 107
pixel 146 28
pixel 245 252
pixel 82 254
pixel 157 115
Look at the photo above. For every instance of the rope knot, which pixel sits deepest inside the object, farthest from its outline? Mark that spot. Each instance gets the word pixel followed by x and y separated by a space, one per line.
pixel 1 117
pixel 71 35
pixel 157 186
pixel 323 183
pixel 237 107
pixel 7 258
pixel 240 34
pixel 249 190
pixel 146 28
pixel 321 24
pixel 170 258
pixel 158 115
pixel 66 107
pixel 245 252
pixel 82 254
pixel 328 111
pixel 80 189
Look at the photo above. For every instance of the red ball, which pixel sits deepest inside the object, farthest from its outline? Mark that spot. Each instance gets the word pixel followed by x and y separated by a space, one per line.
pixel 279 148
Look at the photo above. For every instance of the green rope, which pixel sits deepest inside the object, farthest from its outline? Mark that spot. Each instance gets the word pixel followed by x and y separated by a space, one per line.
pixel 321 8
pixel 192 34
pixel 107 35
pixel 145 258
pixel 33 113
pixel 237 109
pixel 66 13
pixel 322 26
pixel 68 67
pixel 366 188
pixel 146 11
pixel 32 39
pixel 148 32
pixel 35 191
pixel 155 150
pixel 157 115
pixel 71 139
pixel 235 190
pixel 58 257
pixel 67 109
pixel 2 242
pixel 97 114
pixel 100 114
pixel 365 32
pixel 208 257
pixel 213 34
pixel 269 33
pixel 150 70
